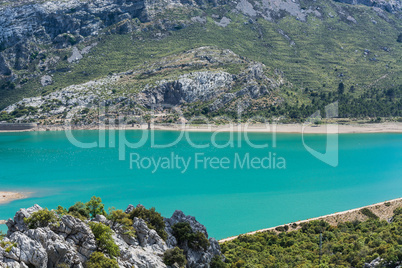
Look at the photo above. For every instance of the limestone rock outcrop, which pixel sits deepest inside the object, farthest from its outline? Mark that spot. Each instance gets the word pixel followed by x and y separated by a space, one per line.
pixel 71 242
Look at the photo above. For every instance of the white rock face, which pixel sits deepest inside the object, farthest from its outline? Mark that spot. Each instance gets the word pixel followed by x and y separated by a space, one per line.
pixel 70 98
pixel 45 21
pixel 46 80
pixel 29 251
pixel 56 247
pixel 195 258
pixel 199 86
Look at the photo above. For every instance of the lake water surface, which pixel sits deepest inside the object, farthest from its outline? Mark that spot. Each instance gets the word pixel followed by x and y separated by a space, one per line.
pixel 227 199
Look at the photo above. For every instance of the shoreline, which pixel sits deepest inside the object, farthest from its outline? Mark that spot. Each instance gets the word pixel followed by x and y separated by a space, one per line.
pixel 384 210
pixel 388 127
pixel 7 197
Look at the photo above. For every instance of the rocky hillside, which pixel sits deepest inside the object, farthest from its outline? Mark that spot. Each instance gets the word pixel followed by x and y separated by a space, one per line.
pixel 308 47
pixel 206 79
pixel 72 241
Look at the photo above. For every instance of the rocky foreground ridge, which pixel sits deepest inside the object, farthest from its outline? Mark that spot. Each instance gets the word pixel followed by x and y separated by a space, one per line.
pixel 70 242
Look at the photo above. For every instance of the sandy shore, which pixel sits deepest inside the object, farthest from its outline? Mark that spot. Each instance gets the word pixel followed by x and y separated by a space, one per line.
pixel 384 210
pixel 389 127
pixel 6 197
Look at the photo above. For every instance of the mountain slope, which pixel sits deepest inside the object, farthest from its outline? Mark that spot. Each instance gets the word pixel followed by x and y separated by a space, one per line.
pixel 315 45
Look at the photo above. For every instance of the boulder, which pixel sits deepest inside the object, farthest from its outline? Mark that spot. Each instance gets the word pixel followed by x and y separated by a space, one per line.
pixel 374 263
pixel 148 238
pixel 18 224
pixel 27 251
pixel 57 248
pixel 78 233
pixel 195 258
pixel 138 256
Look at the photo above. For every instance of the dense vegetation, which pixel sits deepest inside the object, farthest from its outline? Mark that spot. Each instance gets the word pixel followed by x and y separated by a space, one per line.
pixel 349 244
pixel 153 219
pixel 175 255
pixel 41 218
pixel 122 218
pixel 99 260
pixel 185 235
pixel 104 240
pixel 373 103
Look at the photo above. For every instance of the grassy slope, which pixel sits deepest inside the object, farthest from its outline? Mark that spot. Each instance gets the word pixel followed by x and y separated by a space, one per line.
pixel 324 50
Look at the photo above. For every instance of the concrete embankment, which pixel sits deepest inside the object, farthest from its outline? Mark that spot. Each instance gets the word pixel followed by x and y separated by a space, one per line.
pixel 17 126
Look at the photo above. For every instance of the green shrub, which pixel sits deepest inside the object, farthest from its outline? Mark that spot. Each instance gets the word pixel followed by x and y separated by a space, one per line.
pixel 153 219
pixel 217 262
pixel 350 244
pixel 41 218
pixel 398 217
pixel 98 260
pixel 7 245
pixel 87 210
pixel 4 116
pixel 79 210
pixel 61 211
pixel 283 228
pixel 120 217
pixel 175 255
pixel 239 264
pixel 104 240
pixel 367 212
pixel 183 233
pixel 62 265
pixel 95 207
pixel 198 240
pixel 398 211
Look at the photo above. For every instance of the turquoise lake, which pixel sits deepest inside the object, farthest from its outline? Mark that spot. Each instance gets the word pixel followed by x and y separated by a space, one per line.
pixel 227 201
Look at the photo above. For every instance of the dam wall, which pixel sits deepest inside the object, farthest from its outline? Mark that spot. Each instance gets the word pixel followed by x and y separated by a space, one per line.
pixel 17 126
